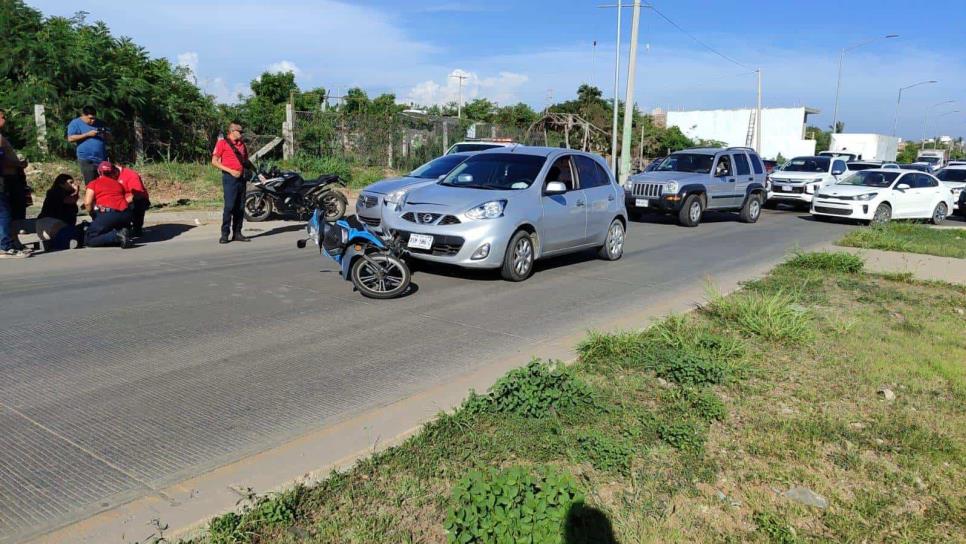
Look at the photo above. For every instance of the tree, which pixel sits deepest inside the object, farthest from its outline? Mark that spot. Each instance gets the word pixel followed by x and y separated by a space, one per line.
pixel 908 153
pixel 479 109
pixel 823 139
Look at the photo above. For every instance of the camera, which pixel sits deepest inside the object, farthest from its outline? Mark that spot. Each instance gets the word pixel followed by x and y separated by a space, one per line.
pixel 103 130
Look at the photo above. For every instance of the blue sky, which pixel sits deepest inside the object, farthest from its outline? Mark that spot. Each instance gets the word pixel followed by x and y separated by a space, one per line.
pixel 529 50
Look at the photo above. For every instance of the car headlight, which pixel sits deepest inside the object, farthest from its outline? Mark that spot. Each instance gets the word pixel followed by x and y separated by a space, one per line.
pixel 395 198
pixel 671 187
pixel 487 210
pixel 866 196
pixel 629 185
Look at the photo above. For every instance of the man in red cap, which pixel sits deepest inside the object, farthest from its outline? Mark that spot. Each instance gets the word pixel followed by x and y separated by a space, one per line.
pixel 131 180
pixel 109 205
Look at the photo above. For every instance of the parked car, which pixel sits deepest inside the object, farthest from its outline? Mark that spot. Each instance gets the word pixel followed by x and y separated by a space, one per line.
pixel 954 177
pixel 879 195
pixel 956 163
pixel 770 165
pixel 652 166
pixel 477 145
pixel 694 180
pixel 373 199
pixel 921 167
pixel 856 166
pixel 506 208
pixel 802 177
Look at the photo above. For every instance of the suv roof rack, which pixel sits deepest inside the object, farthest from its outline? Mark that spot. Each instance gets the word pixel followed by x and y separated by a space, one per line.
pixel 741 147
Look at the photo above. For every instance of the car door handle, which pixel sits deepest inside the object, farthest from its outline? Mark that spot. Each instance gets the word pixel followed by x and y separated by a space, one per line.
pixel 731 180
pixel 751 179
pixel 611 198
pixel 580 203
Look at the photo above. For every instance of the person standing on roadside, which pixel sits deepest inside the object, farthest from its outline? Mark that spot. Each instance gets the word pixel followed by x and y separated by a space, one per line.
pixel 11 168
pixel 107 197
pixel 231 157
pixel 131 180
pixel 89 134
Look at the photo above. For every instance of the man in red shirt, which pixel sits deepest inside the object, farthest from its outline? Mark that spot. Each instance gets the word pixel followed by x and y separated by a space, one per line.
pixel 131 180
pixel 111 202
pixel 231 157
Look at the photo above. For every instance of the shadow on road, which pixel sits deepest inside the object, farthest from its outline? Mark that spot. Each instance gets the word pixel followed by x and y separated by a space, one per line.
pixel 276 230
pixel 587 525
pixel 163 232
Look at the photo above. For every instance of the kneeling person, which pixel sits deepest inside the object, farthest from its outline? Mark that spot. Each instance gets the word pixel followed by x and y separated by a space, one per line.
pixel 108 198
pixel 131 180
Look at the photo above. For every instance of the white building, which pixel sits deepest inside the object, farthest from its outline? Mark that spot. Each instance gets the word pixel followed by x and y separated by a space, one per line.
pixel 782 129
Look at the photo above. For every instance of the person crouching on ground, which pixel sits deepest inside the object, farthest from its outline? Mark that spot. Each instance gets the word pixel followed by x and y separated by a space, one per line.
pixel 131 180
pixel 107 197
pixel 57 222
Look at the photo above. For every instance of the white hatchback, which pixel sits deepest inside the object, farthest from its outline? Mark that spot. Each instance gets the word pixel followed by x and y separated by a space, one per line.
pixel 879 195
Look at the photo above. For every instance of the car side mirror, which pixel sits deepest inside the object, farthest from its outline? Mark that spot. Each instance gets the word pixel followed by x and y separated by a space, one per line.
pixel 465 178
pixel 555 188
pixel 903 187
pixel 838 172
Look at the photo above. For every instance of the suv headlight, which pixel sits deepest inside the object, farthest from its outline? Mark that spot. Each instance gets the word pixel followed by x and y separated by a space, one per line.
pixel 629 184
pixel 487 210
pixel 866 196
pixel 671 187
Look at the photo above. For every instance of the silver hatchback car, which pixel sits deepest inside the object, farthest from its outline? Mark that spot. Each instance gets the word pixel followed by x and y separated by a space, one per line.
pixel 506 208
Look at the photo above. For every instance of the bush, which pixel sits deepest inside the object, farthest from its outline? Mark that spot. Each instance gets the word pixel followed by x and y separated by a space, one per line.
pixel 772 316
pixel 604 453
pixel 511 505
pixel 532 391
pixel 830 261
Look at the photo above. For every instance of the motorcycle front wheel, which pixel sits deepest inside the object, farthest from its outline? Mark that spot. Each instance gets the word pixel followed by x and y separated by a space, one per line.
pixel 333 206
pixel 380 275
pixel 258 206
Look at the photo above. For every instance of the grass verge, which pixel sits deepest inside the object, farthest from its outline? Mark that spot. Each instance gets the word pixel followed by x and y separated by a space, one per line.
pixel 762 417
pixel 909 238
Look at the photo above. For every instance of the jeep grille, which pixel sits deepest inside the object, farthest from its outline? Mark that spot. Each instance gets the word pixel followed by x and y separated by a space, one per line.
pixel 650 190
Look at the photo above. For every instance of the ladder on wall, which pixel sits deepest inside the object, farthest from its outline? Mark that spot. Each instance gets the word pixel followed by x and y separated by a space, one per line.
pixel 750 138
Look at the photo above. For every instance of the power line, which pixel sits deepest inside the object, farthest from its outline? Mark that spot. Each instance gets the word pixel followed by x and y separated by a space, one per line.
pixel 696 40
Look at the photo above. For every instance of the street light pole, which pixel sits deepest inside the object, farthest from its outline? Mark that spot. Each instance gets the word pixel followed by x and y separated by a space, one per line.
pixel 925 118
pixel 935 144
pixel 625 170
pixel 895 118
pixel 617 74
pixel 758 116
pixel 459 105
pixel 838 84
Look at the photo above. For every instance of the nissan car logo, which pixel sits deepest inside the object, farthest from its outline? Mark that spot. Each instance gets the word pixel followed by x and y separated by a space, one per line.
pixel 427 218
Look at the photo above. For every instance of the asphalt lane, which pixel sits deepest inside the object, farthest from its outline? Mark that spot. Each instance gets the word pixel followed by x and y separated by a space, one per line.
pixel 126 371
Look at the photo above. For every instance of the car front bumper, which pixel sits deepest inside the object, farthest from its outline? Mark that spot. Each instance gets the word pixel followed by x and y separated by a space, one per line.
pixel 455 244
pixel 662 204
pixel 370 214
pixel 782 192
pixel 845 209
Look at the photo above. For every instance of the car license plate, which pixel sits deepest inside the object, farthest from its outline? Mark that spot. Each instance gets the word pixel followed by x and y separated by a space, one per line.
pixel 420 241
pixel 641 202
pixel 785 187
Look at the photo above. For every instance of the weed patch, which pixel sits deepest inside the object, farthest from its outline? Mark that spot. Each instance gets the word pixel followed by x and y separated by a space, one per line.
pixel 533 391
pixel 774 317
pixel 909 237
pixel 604 453
pixel 828 261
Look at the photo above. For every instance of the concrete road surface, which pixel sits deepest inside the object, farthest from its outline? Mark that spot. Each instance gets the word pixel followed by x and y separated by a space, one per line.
pixel 122 372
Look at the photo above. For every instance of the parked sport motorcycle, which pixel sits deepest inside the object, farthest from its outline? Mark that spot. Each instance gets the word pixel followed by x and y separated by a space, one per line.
pixel 288 193
pixel 375 265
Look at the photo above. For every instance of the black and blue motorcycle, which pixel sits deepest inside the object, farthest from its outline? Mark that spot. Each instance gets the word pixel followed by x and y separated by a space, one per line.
pixel 375 265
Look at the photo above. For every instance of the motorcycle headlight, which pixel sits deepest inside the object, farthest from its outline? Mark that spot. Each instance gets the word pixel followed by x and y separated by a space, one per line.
pixel 866 196
pixel 395 198
pixel 487 210
pixel 671 187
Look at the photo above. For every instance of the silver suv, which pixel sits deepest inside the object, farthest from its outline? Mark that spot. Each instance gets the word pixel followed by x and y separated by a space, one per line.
pixel 505 208
pixel 688 182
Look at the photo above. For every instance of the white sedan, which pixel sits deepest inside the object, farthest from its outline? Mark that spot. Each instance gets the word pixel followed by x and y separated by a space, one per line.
pixel 879 195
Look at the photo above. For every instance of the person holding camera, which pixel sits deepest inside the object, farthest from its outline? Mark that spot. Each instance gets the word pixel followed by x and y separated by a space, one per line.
pixel 231 157
pixel 89 134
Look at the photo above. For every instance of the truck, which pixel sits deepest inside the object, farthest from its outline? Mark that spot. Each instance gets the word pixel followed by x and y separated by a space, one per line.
pixel 935 158
pixel 863 147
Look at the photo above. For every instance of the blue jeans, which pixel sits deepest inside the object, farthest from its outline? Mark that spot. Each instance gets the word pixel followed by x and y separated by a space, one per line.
pixel 6 222
pixel 234 213
pixel 103 230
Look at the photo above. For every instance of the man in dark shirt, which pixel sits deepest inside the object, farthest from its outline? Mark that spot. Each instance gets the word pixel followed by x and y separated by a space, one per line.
pixel 89 133
pixel 107 197
pixel 231 157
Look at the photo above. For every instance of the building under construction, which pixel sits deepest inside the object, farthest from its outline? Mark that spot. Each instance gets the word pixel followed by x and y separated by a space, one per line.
pixel 782 129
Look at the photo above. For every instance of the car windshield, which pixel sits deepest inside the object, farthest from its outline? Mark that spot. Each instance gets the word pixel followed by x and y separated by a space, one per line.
pixel 854 166
pixel 930 160
pixel 498 171
pixel 697 163
pixel 437 167
pixel 463 148
pixel 870 179
pixel 948 174
pixel 807 164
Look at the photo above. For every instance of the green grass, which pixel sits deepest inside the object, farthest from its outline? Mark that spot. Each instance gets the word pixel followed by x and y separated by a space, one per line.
pixel 686 432
pixel 909 238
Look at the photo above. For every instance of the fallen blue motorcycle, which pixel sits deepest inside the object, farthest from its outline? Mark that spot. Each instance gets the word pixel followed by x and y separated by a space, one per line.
pixel 375 265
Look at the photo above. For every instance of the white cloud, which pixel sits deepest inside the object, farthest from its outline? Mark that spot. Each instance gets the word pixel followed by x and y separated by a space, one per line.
pixel 502 88
pixel 284 66
pixel 189 60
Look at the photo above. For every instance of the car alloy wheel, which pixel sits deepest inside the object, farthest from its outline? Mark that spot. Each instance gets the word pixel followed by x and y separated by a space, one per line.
pixel 615 240
pixel 754 209
pixel 523 256
pixel 694 212
pixel 882 215
pixel 939 214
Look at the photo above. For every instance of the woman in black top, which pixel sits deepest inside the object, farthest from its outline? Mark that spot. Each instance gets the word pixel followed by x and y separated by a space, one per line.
pixel 58 217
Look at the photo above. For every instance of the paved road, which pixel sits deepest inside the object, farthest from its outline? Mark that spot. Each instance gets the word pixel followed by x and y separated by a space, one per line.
pixel 126 371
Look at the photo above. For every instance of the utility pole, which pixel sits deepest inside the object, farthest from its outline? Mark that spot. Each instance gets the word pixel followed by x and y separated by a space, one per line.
pixel 895 118
pixel 758 116
pixel 625 169
pixel 459 105
pixel 617 74
pixel 838 84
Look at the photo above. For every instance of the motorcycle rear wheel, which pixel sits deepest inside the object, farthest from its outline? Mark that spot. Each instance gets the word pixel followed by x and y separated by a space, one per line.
pixel 333 206
pixel 258 206
pixel 386 276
